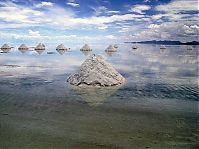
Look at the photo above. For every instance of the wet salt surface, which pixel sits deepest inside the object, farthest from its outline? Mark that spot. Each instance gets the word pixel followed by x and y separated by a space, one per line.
pixel 156 108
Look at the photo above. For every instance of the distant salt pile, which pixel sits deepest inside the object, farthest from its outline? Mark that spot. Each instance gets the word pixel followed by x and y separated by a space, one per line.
pixel 40 46
pixel 95 71
pixel 61 47
pixel 162 47
pixel 6 48
pixel 134 47
pixel 23 48
pixel 86 48
pixel 111 48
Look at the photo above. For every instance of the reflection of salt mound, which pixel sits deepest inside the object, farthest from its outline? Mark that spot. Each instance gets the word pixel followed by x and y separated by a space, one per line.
pixel 86 48
pixel 61 52
pixel 95 96
pixel 86 53
pixel 6 48
pixel 95 71
pixel 109 53
pixel 23 48
pixel 111 48
pixel 39 51
pixel 189 48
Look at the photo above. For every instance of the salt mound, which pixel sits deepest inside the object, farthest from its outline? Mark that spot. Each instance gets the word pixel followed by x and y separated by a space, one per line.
pixel 95 71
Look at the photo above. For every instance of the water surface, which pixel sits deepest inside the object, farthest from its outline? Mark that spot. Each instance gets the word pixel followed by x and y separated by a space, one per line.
pixel 156 108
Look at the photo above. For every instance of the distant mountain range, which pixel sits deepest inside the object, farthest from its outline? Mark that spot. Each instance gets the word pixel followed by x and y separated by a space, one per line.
pixel 167 42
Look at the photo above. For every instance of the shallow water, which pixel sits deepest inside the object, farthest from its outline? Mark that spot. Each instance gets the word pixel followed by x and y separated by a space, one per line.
pixel 156 108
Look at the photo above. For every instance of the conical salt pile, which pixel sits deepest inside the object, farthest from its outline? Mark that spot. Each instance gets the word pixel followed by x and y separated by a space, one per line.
pixel 61 47
pixel 6 48
pixel 115 46
pixel 86 48
pixel 40 46
pixel 95 71
pixel 23 47
pixel 111 48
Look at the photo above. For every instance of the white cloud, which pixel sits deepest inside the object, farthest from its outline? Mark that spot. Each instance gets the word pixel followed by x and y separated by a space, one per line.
pixel 178 26
pixel 110 37
pixel 100 10
pixel 171 31
pixel 58 16
pixel 34 33
pixel 157 16
pixel 73 4
pixel 44 4
pixel 15 13
pixel 177 10
pixel 179 6
pixel 154 26
pixel 140 8
pixel 102 27
pixel 113 12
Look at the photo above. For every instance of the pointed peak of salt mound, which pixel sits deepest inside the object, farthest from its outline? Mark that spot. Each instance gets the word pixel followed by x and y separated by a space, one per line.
pixel 40 46
pixel 95 71
pixel 6 46
pixel 111 48
pixel 86 47
pixel 61 47
pixel 23 46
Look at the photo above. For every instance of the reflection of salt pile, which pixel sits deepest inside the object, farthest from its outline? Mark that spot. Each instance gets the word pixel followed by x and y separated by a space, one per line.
pixel 86 53
pixel 86 48
pixel 95 71
pixel 95 96
pixel 6 48
pixel 40 48
pixel 189 48
pixel 23 48
pixel 61 49
pixel 109 53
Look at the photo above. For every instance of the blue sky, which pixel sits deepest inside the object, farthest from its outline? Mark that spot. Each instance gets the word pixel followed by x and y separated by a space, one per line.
pixel 97 21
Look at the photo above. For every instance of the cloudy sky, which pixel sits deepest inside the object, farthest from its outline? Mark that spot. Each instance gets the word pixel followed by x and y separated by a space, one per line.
pixel 97 21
